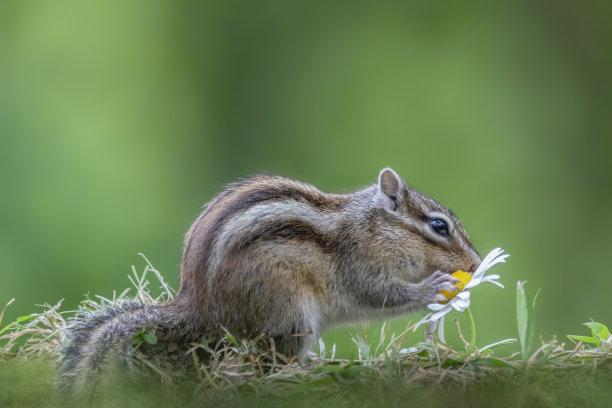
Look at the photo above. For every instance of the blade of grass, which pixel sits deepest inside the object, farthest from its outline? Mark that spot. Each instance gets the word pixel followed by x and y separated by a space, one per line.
pixel 522 317
pixel 532 321
pixel 312 384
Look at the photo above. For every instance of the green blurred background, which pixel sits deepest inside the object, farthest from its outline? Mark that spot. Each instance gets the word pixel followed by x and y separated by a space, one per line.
pixel 119 119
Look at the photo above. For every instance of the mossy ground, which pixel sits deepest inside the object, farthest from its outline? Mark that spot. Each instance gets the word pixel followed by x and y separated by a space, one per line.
pixel 30 383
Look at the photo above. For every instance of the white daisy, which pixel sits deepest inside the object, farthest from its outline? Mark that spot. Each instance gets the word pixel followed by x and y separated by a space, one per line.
pixel 460 300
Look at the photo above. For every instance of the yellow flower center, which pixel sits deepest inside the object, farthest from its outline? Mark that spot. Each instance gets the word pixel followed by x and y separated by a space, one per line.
pixel 464 277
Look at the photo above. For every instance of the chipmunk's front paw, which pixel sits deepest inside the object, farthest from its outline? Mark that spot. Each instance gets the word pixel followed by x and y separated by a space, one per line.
pixel 437 282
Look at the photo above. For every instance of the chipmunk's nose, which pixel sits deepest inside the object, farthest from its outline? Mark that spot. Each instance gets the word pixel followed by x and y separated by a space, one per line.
pixel 472 268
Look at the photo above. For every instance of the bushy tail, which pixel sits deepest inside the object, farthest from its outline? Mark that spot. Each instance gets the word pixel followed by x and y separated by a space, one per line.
pixel 102 340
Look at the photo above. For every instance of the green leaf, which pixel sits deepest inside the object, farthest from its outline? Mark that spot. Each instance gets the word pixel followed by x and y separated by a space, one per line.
pixel 532 321
pixel 363 347
pixel 599 330
pixel 26 318
pixel 232 339
pixel 20 319
pixel 449 362
pixel 586 339
pixel 5 328
pixel 312 384
pixel 145 334
pixel 137 340
pixel 522 317
pixel 149 336
pixel 600 333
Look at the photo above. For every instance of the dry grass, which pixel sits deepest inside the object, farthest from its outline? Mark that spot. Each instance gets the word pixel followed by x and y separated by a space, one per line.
pixel 231 367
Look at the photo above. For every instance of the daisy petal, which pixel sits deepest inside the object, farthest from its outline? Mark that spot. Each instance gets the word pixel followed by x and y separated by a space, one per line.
pixel 484 265
pixel 496 261
pixel 473 282
pixel 460 308
pixel 491 259
pixel 441 330
pixel 440 314
pixel 460 304
pixel 465 295
pixel 425 319
pixel 497 283
pixel 436 306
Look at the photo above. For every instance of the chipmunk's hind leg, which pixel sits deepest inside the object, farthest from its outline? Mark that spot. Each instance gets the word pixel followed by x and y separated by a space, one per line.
pixel 298 338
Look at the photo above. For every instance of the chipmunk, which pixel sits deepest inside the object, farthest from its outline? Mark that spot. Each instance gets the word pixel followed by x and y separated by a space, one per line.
pixel 274 256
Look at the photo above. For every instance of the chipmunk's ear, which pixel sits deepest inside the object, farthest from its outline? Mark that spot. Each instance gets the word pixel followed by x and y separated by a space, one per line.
pixel 390 187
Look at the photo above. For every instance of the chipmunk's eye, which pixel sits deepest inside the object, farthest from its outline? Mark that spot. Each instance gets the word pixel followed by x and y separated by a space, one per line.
pixel 439 226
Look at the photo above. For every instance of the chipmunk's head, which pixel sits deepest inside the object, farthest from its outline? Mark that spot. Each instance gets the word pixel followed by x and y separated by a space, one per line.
pixel 430 234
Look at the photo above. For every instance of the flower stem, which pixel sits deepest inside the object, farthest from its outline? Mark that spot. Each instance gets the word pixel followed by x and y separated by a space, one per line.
pixel 472 344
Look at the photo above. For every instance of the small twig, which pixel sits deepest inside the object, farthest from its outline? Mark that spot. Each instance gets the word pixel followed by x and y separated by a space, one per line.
pixel 199 366
pixel 308 333
pixel 159 277
pixel 273 350
pixel 402 335
pixel 472 345
pixel 579 347
pixel 465 343
pixel 5 306
pixel 196 365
